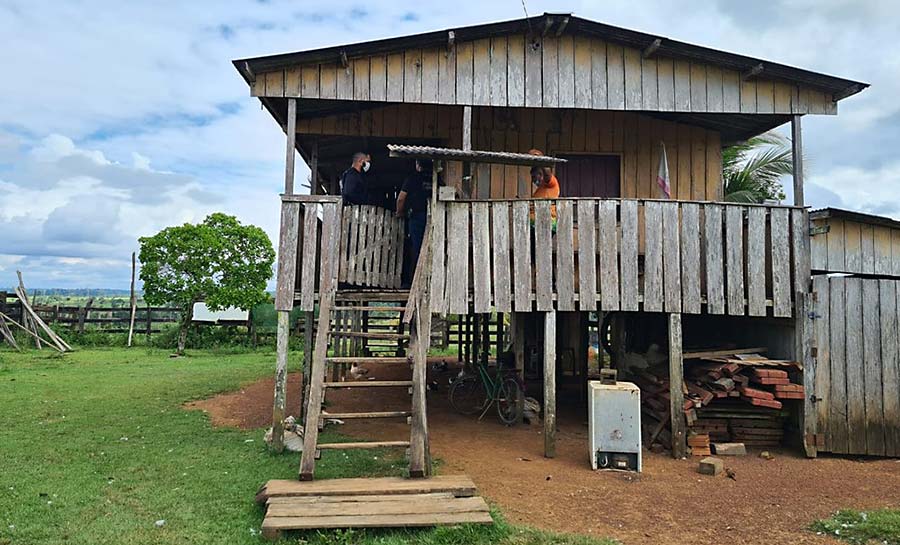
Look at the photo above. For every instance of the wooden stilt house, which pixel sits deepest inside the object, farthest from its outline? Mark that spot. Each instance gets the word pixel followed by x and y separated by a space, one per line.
pixel 604 100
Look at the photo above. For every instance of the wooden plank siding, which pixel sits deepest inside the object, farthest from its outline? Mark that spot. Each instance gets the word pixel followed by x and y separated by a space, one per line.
pixel 857 368
pixel 694 154
pixel 554 71
pixel 590 261
pixel 855 248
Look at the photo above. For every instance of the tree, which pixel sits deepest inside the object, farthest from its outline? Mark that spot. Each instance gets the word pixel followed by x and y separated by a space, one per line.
pixel 752 170
pixel 218 261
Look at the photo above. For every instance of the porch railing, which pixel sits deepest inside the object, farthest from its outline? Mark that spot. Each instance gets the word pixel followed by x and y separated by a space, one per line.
pixel 323 242
pixel 611 254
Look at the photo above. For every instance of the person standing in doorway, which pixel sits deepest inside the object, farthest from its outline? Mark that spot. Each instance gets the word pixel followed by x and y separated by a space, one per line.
pixel 412 204
pixel 353 183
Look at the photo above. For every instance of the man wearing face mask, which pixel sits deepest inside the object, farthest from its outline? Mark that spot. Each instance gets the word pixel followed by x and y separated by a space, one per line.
pixel 353 183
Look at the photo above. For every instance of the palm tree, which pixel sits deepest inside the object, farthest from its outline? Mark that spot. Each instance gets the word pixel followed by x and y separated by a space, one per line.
pixel 752 170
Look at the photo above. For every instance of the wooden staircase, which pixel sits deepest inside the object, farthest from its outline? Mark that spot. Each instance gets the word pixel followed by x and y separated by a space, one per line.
pixel 332 330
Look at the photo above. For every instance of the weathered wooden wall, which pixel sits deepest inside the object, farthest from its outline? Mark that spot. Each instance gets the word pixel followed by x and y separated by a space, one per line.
pixel 857 366
pixel 694 153
pixel 554 72
pixel 610 255
pixel 855 248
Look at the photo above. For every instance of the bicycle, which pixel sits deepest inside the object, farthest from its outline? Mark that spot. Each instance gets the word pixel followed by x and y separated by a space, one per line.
pixel 473 393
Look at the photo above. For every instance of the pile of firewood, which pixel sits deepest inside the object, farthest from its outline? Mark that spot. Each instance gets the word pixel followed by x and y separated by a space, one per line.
pixel 733 398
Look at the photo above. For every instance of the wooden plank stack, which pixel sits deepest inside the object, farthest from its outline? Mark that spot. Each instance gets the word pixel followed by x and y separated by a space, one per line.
pixel 731 398
pixel 370 503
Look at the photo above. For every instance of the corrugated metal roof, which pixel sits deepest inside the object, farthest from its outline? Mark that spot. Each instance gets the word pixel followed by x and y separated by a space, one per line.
pixel 858 217
pixel 557 23
pixel 473 156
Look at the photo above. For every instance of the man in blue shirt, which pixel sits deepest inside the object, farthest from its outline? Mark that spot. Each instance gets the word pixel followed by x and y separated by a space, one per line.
pixel 353 184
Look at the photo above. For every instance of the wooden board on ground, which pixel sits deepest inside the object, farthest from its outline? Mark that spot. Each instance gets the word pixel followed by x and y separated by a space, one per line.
pixel 458 485
pixel 387 502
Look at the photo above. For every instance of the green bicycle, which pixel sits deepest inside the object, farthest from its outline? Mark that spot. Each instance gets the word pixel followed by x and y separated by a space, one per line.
pixel 474 393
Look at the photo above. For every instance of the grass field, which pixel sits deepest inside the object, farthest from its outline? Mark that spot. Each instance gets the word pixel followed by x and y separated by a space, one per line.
pixel 96 448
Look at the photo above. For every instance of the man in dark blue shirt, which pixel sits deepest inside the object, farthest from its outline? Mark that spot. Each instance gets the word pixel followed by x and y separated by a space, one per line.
pixel 412 203
pixel 353 184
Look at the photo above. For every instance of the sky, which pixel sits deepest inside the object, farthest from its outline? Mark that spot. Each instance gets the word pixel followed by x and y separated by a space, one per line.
pixel 118 119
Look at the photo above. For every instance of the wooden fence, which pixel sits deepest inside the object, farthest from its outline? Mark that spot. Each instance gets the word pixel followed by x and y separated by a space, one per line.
pixel 606 254
pixel 106 319
pixel 857 365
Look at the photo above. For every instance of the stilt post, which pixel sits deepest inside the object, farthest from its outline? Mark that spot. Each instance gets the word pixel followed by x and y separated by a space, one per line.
pixel 550 384
pixel 676 394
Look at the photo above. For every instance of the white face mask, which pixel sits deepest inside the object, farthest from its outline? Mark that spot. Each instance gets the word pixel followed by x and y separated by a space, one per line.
pixel 366 165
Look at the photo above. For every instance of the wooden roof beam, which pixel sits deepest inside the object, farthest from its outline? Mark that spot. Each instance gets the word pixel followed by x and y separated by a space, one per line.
pixel 753 72
pixel 651 49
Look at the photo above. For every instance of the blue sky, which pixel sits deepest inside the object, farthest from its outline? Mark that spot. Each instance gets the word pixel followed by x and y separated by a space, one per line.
pixel 120 118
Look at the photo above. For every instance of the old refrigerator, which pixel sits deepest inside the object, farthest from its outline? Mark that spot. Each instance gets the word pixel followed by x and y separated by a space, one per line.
pixel 614 421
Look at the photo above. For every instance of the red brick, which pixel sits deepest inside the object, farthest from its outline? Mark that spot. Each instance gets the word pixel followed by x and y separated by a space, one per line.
pixel 758 394
pixel 772 404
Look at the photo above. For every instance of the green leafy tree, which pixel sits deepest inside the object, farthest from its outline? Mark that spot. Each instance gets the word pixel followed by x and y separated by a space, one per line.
pixel 218 261
pixel 752 170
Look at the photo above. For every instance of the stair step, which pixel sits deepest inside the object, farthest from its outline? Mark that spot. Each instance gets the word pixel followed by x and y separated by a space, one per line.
pixel 369 359
pixel 377 414
pixel 364 335
pixel 362 444
pixel 372 309
pixel 370 384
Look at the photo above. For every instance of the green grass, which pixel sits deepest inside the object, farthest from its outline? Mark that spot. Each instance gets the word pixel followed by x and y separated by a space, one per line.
pixel 95 448
pixel 881 526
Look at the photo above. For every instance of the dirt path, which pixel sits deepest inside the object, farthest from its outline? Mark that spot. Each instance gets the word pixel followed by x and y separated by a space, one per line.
pixel 770 502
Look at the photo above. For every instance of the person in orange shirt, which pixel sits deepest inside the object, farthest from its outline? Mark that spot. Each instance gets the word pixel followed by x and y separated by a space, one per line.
pixel 547 186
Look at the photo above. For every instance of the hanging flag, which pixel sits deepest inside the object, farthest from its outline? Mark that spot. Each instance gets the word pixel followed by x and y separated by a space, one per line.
pixel 662 177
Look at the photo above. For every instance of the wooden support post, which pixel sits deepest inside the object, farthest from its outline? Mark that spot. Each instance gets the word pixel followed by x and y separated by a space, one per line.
pixel 459 339
pixel 797 153
pixel 550 384
pixel 517 331
pixel 291 132
pixel 314 188
pixel 467 128
pixel 149 318
pixel 676 394
pixel 281 350
pixel 309 326
pixel 133 301
pixel 82 316
pixel 803 332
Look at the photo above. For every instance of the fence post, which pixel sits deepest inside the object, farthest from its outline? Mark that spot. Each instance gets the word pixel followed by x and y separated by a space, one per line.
pixel 149 320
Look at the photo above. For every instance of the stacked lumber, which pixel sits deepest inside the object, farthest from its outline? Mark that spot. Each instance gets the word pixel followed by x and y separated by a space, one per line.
pixel 727 398
pixel 383 502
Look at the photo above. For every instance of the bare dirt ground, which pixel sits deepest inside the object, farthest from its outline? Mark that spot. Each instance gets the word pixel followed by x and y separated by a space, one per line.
pixel 771 501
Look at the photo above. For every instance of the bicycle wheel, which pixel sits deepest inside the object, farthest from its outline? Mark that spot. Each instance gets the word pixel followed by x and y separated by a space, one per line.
pixel 508 401
pixel 467 395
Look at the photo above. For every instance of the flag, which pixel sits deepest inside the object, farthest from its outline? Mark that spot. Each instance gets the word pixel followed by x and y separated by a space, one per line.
pixel 662 177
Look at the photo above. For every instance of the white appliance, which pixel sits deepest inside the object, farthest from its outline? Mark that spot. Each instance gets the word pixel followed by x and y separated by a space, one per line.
pixel 614 422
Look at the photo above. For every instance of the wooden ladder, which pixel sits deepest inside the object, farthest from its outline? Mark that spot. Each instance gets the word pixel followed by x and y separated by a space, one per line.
pixel 419 461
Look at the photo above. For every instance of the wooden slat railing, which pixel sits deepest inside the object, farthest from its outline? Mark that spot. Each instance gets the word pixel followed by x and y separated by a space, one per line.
pixel 368 247
pixel 371 247
pixel 605 254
